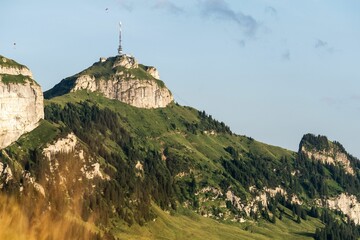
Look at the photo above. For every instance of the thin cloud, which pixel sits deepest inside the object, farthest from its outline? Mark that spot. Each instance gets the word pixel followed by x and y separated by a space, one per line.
pixel 331 101
pixel 323 45
pixel 242 43
pixel 126 4
pixel 320 44
pixel 286 56
pixel 168 6
pixel 219 9
pixel 355 97
pixel 271 11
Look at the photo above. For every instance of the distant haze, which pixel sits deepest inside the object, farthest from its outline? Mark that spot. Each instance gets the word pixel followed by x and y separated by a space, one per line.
pixel 272 70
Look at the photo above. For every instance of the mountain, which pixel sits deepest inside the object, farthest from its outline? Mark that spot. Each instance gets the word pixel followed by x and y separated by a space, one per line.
pixel 120 78
pixel 21 101
pixel 99 167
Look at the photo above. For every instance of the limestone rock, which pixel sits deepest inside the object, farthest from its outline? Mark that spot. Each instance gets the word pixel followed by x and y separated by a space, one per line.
pixel 138 93
pixel 331 157
pixel 126 61
pixel 153 72
pixel 10 67
pixel 15 71
pixel 121 78
pixel 21 102
pixel 321 149
pixel 348 204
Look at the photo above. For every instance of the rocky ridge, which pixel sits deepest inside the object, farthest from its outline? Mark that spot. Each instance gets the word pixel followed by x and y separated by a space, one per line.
pixel 121 78
pixel 326 152
pixel 330 157
pixel 21 101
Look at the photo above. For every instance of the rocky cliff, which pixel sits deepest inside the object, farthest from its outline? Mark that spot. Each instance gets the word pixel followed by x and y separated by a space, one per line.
pixel 21 101
pixel 121 78
pixel 321 149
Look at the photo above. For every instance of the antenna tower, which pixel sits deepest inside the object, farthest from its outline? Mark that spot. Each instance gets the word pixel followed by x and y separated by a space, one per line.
pixel 120 47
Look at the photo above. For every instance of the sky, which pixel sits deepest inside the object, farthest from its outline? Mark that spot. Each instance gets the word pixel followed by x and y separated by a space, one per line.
pixel 270 69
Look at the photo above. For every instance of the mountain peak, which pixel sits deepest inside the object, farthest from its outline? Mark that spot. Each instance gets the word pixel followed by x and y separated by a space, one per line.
pixel 12 68
pixel 126 61
pixel 321 149
pixel 21 101
pixel 121 78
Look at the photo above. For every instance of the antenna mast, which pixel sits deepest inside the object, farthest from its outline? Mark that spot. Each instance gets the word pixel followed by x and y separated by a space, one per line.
pixel 120 47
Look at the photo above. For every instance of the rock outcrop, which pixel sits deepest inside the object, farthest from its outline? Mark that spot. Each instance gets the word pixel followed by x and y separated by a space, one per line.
pixel 330 157
pixel 345 203
pixel 21 101
pixel 15 70
pixel 88 168
pixel 321 149
pixel 121 78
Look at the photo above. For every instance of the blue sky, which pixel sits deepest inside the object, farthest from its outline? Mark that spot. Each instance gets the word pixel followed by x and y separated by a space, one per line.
pixel 271 69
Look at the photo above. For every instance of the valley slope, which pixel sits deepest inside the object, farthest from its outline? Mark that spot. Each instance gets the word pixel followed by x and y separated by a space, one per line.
pixel 100 168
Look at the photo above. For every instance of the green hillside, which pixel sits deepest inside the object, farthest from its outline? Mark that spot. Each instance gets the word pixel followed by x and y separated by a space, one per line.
pixel 195 147
pixel 172 173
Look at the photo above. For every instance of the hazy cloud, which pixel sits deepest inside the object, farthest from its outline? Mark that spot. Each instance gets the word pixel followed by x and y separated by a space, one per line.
pixel 168 6
pixel 286 55
pixel 271 11
pixel 242 43
pixel 220 9
pixel 126 4
pixel 331 101
pixel 320 44
pixel 355 97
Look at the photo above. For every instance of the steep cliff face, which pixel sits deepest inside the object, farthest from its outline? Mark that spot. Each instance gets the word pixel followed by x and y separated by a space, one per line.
pixel 121 78
pixel 321 149
pixel 21 101
pixel 10 67
pixel 348 204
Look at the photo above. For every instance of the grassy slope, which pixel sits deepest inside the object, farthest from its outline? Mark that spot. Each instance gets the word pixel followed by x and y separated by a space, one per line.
pixel 155 124
pixel 6 62
pixel 28 143
pixel 38 137
pixel 154 127
pixel 20 79
pixel 192 226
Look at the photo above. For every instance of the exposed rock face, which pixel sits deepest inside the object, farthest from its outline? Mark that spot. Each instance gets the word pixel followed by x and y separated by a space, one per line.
pixel 21 103
pixel 5 174
pixel 126 61
pixel 153 72
pixel 121 78
pixel 10 67
pixel 330 156
pixel 15 71
pixel 246 206
pixel 88 168
pixel 62 145
pixel 348 204
pixel 321 149
pixel 138 93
